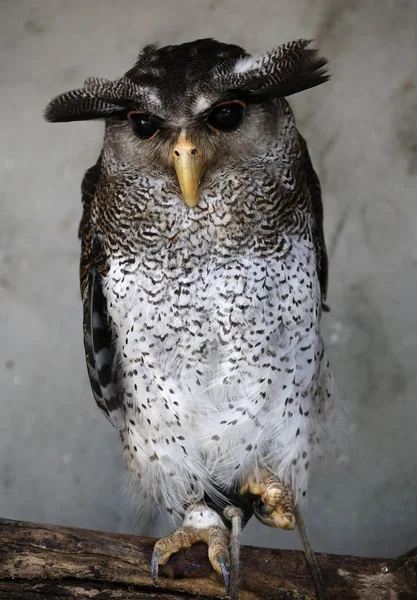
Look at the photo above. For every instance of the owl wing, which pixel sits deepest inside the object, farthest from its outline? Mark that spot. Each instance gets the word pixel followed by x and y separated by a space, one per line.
pixel 314 187
pixel 98 341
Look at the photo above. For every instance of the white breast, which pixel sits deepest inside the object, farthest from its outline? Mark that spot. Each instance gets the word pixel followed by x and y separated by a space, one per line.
pixel 222 368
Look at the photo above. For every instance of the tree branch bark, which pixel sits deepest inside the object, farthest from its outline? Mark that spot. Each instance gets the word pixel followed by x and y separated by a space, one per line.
pixel 60 563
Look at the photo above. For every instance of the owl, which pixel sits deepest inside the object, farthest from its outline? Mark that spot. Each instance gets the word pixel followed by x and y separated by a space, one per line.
pixel 203 279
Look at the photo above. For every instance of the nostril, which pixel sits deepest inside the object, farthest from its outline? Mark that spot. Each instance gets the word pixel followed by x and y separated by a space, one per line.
pixel 176 153
pixel 194 151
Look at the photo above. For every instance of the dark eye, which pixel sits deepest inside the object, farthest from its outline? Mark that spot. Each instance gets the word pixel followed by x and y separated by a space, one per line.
pixel 143 125
pixel 227 116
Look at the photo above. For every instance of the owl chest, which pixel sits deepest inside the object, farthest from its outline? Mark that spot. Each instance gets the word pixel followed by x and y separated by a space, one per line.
pixel 177 318
pixel 208 354
pixel 191 338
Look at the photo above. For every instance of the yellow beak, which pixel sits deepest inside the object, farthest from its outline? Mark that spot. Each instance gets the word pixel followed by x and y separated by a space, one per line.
pixel 189 166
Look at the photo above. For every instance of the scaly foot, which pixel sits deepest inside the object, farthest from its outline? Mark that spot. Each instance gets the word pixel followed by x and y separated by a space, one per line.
pixel 274 506
pixel 201 524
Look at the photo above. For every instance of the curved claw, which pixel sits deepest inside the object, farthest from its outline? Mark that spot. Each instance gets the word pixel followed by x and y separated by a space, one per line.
pixel 156 557
pixel 223 562
pixel 261 515
pixel 277 517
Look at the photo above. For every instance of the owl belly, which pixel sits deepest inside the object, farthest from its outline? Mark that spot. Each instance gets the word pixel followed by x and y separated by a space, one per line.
pixel 220 371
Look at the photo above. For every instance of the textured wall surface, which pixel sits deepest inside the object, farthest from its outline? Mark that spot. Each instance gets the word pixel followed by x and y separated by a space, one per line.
pixel 60 461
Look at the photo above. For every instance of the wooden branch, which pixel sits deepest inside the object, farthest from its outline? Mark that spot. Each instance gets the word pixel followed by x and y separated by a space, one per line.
pixel 61 563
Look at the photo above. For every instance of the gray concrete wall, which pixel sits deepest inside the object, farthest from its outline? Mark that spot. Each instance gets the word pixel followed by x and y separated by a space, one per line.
pixel 60 461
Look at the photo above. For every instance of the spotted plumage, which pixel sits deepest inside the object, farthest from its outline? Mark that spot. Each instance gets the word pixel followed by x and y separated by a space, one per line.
pixel 202 318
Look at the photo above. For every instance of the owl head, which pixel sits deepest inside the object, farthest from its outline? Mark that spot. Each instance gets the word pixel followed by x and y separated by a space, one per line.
pixel 184 109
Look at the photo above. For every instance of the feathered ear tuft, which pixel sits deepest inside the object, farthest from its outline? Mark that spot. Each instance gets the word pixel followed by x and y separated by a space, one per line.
pixel 122 92
pixel 78 105
pixel 99 98
pixel 286 70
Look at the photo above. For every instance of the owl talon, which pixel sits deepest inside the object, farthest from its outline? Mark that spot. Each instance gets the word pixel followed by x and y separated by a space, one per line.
pixel 261 514
pixel 156 556
pixel 273 500
pixel 201 524
pixel 222 562
pixel 282 519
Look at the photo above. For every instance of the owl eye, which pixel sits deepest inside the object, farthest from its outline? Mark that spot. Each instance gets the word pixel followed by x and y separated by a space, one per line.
pixel 227 116
pixel 143 125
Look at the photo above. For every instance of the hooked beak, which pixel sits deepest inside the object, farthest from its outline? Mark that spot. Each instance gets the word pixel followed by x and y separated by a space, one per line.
pixel 189 166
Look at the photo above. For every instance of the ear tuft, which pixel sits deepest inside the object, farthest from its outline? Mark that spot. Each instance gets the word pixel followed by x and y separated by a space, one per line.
pixel 100 98
pixel 122 91
pixel 95 84
pixel 286 70
pixel 77 105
